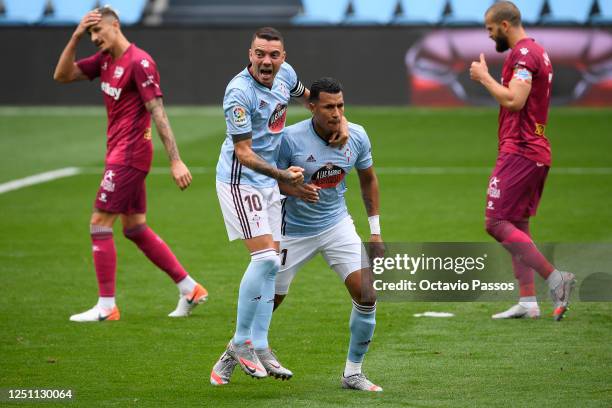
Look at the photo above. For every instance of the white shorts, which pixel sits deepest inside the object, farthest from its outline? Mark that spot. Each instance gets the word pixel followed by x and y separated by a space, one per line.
pixel 249 211
pixel 340 246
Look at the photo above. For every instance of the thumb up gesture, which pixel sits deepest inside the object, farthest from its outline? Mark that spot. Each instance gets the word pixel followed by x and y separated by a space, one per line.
pixel 479 69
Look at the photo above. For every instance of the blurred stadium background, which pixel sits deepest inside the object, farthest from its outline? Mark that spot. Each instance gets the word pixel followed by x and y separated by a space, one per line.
pixel 405 63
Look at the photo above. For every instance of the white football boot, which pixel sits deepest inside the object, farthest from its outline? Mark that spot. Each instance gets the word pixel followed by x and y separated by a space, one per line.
pixel 96 314
pixel 519 311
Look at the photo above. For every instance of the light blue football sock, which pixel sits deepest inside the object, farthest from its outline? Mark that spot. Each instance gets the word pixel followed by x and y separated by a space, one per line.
pixel 362 323
pixel 263 315
pixel 263 263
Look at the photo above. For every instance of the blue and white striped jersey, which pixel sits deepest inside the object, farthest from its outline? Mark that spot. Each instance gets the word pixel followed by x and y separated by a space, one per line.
pixel 251 108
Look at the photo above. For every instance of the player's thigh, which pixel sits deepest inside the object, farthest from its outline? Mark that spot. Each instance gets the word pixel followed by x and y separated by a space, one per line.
pixel 245 210
pixel 513 187
pixel 122 190
pixel 294 253
pixel 343 250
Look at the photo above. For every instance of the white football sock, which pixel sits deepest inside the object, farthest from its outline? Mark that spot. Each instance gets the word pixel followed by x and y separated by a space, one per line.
pixel 186 286
pixel 352 368
pixel 106 302
pixel 528 301
pixel 554 279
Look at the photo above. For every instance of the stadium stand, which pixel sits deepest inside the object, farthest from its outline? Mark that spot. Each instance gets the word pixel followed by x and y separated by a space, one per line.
pixel 21 12
pixel 321 12
pixel 305 12
pixel 68 12
pixel 467 12
pixel 419 12
pixel 531 10
pixel 368 12
pixel 268 12
pixel 604 17
pixel 568 12
pixel 130 11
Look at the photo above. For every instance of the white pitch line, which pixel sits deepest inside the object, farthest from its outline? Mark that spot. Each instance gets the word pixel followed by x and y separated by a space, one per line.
pixel 38 179
pixel 421 171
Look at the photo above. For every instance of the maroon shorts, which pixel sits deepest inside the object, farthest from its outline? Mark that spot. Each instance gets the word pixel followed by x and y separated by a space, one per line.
pixel 515 187
pixel 122 190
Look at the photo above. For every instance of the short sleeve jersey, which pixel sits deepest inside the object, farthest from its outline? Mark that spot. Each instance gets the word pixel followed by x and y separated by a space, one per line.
pixel 325 167
pixel 253 109
pixel 523 132
pixel 127 84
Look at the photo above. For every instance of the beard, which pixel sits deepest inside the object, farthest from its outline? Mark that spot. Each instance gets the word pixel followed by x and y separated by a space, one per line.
pixel 501 43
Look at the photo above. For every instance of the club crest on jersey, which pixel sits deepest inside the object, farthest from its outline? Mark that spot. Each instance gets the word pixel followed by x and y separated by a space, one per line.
pixel 239 116
pixel 276 123
pixel 104 66
pixel 107 182
pixel 118 72
pixel 493 190
pixel 328 176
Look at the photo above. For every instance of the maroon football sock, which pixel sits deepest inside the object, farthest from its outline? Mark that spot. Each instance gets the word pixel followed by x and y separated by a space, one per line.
pixel 523 273
pixel 520 245
pixel 105 259
pixel 156 250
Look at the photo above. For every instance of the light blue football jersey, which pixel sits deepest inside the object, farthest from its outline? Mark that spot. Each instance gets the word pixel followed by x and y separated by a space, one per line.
pixel 324 166
pixel 251 108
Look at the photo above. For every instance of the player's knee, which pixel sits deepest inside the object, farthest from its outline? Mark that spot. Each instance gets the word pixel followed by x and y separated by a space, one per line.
pixel 495 228
pixel 269 261
pixel 133 231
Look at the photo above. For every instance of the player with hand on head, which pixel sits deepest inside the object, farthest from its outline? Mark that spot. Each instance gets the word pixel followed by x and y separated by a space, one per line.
pixel 316 221
pixel 132 95
pixel 524 157
pixel 255 106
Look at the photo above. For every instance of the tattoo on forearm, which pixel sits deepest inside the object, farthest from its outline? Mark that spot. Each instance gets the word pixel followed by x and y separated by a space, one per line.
pixel 368 202
pixel 164 130
pixel 256 163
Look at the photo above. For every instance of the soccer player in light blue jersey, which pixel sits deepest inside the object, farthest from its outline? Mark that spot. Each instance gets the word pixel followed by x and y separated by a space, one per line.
pixel 255 106
pixel 315 218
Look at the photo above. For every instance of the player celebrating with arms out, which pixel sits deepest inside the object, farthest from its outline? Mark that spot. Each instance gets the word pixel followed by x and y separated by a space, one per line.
pixel 255 106
pixel 524 157
pixel 130 83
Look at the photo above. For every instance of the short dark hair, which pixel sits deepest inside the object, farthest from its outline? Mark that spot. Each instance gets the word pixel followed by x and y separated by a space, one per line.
pixel 268 33
pixel 325 84
pixel 505 11
pixel 108 11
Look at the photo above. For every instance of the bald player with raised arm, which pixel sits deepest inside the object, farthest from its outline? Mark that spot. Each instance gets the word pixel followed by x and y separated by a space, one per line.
pixel 524 157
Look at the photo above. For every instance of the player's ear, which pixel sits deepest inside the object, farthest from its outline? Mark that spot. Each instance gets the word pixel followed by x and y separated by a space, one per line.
pixel 311 106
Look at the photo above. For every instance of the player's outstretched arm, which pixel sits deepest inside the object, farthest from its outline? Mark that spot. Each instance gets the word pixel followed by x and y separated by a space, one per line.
pixel 180 172
pixel 67 70
pixel 247 157
pixel 514 96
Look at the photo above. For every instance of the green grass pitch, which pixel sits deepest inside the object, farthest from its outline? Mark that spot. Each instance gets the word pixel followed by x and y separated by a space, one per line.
pixel 147 359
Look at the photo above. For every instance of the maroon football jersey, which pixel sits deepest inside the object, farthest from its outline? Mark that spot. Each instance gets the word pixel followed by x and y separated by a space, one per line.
pixel 127 84
pixel 523 132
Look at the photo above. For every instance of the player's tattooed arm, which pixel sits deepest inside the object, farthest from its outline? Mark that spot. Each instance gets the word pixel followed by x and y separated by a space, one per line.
pixel 513 97
pixel 247 157
pixel 180 172
pixel 67 70
pixel 369 190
